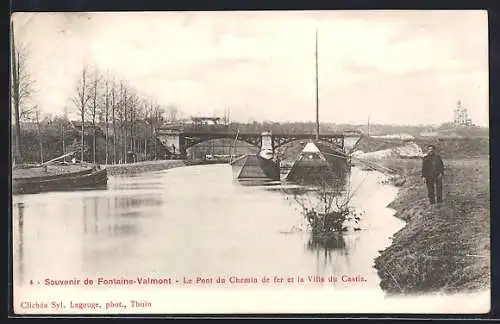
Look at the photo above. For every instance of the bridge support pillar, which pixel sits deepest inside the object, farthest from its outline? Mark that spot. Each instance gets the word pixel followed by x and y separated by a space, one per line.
pixel 266 142
pixel 174 141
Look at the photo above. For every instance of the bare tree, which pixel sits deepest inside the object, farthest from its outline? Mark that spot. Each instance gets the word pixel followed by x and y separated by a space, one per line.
pixel 132 120
pixel 147 121
pixel 39 133
pixel 150 115
pixel 22 89
pixel 106 116
pixel 141 122
pixel 25 85
pixel 138 118
pixel 83 95
pixel 123 117
pixel 157 119
pixel 120 114
pixel 113 109
pixel 94 110
pixel 15 97
pixel 125 123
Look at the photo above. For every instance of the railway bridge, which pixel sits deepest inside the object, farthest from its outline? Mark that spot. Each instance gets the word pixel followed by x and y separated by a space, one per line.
pixel 177 141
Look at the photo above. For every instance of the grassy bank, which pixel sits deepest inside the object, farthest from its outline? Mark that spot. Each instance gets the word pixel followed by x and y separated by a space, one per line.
pixel 449 148
pixel 145 166
pixel 442 248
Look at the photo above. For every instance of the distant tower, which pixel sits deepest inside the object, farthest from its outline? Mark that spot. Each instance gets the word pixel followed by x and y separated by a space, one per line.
pixel 456 114
pixel 461 117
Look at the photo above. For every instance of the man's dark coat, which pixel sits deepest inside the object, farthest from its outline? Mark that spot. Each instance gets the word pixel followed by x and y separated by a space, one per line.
pixel 432 166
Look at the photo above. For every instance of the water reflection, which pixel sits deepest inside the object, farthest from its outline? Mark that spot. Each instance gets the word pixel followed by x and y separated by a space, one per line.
pixel 258 183
pixel 126 202
pixel 320 177
pixel 320 194
pixel 333 252
pixel 196 221
pixel 108 207
pixel 84 216
pixel 327 243
pixel 94 203
pixel 20 241
pixel 105 210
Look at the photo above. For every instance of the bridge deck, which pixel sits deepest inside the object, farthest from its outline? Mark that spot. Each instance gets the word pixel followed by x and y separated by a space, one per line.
pixel 182 140
pixel 233 135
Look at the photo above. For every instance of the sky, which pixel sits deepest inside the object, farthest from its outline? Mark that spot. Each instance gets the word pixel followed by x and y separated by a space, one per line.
pixel 395 67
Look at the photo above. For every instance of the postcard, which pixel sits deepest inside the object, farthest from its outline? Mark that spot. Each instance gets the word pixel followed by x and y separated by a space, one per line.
pixel 250 162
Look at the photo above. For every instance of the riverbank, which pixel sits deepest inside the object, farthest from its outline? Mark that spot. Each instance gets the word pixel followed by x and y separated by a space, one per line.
pixel 442 248
pixel 144 166
pixel 449 147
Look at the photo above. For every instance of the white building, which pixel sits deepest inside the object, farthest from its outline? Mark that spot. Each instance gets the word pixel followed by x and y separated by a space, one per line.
pixel 460 116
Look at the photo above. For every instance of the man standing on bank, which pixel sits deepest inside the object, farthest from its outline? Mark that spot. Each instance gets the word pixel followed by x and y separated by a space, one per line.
pixel 432 172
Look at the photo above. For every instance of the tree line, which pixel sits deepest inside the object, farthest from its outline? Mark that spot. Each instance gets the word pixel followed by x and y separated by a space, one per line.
pixel 129 119
pixel 114 119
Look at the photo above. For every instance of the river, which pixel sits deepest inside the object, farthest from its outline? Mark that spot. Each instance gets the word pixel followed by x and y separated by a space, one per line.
pixel 194 222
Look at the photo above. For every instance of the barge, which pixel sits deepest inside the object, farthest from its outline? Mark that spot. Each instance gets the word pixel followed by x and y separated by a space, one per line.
pixel 30 180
